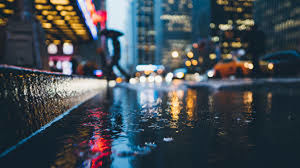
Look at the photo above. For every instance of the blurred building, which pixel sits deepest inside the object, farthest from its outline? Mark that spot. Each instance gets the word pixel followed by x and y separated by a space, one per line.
pixel 280 20
pixel 22 38
pixel 230 20
pixel 132 36
pixel 49 32
pixel 201 19
pixel 145 32
pixel 174 31
pixel 141 34
pixel 161 31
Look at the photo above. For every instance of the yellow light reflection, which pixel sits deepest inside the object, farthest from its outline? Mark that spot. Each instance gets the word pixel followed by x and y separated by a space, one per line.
pixel 175 106
pixel 248 97
pixel 269 102
pixel 191 101
pixel 175 98
pixel 247 100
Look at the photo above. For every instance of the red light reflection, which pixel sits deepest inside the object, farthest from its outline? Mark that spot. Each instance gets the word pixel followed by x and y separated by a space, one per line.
pixel 100 143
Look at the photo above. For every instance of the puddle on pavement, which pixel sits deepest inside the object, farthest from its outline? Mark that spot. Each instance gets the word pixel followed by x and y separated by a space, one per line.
pixel 177 128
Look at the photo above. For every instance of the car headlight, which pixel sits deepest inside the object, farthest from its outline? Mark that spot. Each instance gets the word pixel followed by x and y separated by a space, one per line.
pixel 180 75
pixel 210 73
pixel 248 65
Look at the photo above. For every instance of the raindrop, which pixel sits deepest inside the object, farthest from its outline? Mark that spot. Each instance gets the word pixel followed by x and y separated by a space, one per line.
pixel 168 139
pixel 151 144
pixel 247 121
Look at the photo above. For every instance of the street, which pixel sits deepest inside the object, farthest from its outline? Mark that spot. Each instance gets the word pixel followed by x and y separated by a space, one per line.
pixel 170 125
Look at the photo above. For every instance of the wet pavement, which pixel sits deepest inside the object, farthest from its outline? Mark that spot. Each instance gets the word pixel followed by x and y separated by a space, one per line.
pixel 30 99
pixel 170 126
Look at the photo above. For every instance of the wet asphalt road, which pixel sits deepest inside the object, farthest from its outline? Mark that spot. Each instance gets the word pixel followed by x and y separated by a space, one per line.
pixel 170 126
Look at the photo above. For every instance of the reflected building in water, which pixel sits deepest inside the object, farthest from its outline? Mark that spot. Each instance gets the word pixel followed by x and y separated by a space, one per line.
pixel 280 20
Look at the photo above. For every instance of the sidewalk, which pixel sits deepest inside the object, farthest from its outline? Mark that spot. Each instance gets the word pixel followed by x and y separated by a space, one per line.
pixel 246 84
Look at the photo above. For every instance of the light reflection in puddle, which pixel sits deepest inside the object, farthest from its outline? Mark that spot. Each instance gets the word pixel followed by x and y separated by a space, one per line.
pixel 175 128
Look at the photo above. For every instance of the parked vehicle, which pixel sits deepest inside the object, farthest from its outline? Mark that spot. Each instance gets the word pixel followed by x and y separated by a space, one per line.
pixel 283 63
pixel 229 67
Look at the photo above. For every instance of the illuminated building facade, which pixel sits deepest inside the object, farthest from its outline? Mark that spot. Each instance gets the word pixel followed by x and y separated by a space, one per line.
pixel 65 20
pixel 62 25
pixel 174 31
pixel 230 19
pixel 7 9
pixel 280 20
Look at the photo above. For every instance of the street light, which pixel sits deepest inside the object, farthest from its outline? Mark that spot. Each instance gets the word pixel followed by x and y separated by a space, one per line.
pixel 175 54
pixel 188 63
pixel 212 56
pixel 190 54
pixel 195 62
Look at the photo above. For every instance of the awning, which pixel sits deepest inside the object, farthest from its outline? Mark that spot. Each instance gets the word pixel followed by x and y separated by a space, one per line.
pixel 65 20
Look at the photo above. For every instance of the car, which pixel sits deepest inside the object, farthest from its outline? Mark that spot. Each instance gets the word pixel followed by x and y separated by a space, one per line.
pixel 228 67
pixel 282 63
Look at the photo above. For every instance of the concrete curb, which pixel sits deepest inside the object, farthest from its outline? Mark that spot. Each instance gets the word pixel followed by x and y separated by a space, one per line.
pixel 30 99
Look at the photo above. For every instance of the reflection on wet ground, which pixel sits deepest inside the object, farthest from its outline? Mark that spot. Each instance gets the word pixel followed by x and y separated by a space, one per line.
pixel 170 128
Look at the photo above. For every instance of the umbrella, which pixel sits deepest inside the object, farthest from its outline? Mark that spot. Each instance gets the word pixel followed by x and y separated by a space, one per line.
pixel 111 33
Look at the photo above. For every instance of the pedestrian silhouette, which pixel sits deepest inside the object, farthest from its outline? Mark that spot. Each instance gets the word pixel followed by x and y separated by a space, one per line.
pixel 256 47
pixel 74 65
pixel 106 64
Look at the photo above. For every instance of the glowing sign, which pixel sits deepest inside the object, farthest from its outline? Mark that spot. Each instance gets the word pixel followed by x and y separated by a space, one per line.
pixel 52 49
pixel 98 73
pixel 88 20
pixel 149 67
pixel 68 48
pixel 97 16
